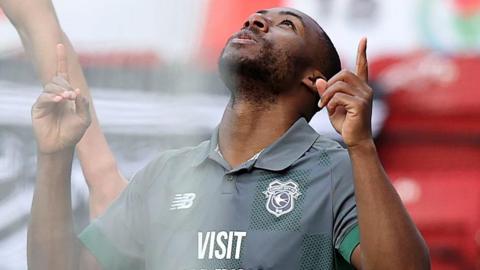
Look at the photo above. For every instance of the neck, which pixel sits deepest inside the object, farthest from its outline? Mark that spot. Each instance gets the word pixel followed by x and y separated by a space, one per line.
pixel 246 128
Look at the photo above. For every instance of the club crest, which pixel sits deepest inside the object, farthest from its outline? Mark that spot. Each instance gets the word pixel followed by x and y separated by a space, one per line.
pixel 281 197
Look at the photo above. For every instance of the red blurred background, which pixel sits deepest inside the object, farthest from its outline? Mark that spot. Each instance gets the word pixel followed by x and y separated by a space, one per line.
pixel 425 68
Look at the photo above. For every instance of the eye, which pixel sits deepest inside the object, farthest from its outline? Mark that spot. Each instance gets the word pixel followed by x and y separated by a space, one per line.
pixel 288 23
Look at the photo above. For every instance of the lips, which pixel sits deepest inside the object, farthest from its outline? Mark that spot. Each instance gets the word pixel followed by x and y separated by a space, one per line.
pixel 244 37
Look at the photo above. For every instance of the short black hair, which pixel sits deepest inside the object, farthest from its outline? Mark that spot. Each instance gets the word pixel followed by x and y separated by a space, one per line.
pixel 326 54
pixel 331 64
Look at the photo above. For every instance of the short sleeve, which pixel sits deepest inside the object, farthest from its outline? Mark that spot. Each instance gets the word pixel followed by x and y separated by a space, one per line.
pixel 346 234
pixel 116 238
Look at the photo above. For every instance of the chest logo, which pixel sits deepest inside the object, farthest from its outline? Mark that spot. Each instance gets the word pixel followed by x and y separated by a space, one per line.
pixel 182 201
pixel 281 197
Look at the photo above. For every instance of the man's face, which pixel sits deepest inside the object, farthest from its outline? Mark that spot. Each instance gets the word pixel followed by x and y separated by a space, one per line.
pixel 270 48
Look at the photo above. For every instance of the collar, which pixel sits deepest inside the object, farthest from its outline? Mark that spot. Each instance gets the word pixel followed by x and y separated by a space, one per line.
pixel 276 157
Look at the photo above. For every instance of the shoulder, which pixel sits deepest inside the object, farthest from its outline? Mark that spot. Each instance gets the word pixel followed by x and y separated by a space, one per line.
pixel 330 152
pixel 185 154
pixel 331 156
pixel 174 159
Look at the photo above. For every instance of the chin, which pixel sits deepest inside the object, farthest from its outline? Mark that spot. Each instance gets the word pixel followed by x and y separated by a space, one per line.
pixel 237 54
pixel 259 65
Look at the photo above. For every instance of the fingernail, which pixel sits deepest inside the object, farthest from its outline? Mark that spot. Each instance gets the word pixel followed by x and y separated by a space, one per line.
pixel 321 85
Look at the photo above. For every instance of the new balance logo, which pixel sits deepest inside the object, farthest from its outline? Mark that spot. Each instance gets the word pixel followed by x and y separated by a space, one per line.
pixel 182 201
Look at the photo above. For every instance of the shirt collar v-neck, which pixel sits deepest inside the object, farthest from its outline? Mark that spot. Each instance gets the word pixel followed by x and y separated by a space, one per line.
pixel 276 157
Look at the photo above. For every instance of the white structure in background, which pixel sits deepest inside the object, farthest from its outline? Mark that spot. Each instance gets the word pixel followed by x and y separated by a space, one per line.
pixel 135 112
pixel 173 29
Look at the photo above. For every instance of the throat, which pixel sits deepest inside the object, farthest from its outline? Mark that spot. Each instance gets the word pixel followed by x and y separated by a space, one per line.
pixel 254 95
pixel 245 130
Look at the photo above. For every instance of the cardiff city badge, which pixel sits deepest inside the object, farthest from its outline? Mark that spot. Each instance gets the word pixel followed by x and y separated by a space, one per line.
pixel 281 197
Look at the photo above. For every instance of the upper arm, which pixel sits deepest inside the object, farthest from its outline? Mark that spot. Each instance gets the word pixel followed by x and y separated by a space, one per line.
pixel 117 238
pixel 86 260
pixel 344 204
pixel 356 259
pixel 346 230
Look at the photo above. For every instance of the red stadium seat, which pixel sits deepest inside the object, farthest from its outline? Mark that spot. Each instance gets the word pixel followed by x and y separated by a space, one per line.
pixel 430 147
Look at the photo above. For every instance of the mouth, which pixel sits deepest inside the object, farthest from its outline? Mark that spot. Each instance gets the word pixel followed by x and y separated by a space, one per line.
pixel 244 37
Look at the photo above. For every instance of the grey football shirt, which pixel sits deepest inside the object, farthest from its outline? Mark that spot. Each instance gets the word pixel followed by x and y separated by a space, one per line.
pixel 290 207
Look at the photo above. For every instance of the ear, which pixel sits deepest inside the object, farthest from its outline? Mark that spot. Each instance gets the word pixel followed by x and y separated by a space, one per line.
pixel 309 79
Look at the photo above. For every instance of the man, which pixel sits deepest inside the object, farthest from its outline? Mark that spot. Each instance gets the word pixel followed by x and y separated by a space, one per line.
pixel 266 192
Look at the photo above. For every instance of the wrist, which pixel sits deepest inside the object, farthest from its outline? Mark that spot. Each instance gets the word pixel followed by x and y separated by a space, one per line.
pixel 366 145
pixel 56 155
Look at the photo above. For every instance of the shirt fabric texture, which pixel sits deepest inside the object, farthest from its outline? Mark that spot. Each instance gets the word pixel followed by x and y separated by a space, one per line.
pixel 291 206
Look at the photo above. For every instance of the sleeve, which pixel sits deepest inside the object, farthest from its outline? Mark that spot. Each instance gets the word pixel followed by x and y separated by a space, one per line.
pixel 345 232
pixel 116 238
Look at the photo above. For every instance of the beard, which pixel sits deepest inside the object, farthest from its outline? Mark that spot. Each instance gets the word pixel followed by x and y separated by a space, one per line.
pixel 261 78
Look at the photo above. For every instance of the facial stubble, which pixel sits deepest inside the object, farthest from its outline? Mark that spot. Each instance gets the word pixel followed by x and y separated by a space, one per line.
pixel 261 79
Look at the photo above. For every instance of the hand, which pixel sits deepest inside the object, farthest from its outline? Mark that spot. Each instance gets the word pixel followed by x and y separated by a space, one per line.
pixel 348 99
pixel 60 116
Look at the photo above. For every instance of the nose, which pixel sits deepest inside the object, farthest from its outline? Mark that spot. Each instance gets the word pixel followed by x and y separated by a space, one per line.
pixel 257 20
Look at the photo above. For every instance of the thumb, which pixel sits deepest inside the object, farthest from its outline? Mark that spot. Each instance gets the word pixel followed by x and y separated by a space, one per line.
pixel 82 106
pixel 321 85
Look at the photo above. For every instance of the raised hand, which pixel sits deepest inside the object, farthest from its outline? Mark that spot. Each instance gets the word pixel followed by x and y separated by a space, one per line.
pixel 60 116
pixel 348 99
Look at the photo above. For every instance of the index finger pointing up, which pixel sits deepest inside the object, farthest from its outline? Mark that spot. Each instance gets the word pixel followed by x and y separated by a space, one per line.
pixel 61 61
pixel 362 63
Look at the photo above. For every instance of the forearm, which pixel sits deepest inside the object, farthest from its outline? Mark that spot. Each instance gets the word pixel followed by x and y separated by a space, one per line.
pixel 37 25
pixel 40 32
pixel 389 238
pixel 51 238
pixel 99 165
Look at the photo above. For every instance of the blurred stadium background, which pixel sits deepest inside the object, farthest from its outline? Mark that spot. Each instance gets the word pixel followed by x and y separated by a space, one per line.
pixel 151 65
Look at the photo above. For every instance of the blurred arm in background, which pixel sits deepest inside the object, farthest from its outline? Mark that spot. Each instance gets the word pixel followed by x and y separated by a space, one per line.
pixel 40 32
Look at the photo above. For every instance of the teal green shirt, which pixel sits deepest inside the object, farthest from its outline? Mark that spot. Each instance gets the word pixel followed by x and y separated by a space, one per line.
pixel 291 207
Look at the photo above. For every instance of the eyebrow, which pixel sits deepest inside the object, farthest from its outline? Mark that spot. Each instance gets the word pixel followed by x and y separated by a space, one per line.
pixel 285 12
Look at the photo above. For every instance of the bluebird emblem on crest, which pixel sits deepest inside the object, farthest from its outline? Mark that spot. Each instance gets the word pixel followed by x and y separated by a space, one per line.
pixel 281 197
